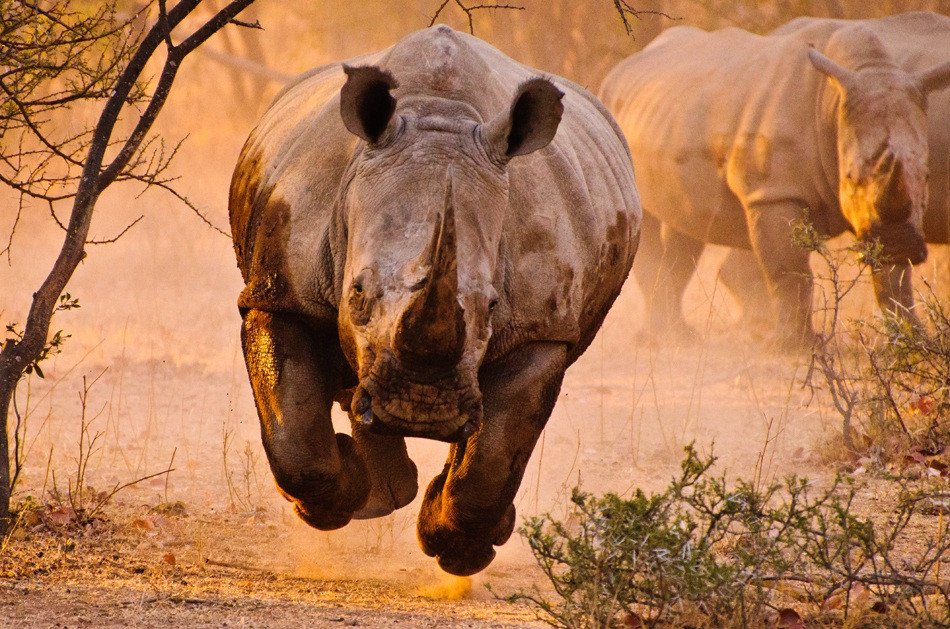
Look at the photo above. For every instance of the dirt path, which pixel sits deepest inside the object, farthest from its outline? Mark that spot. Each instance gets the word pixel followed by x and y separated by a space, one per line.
pixel 144 569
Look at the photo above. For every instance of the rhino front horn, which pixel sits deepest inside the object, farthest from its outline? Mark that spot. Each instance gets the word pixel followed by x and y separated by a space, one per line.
pixel 431 332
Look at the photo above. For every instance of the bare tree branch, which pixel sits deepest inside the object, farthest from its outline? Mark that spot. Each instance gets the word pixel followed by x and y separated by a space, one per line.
pixel 627 12
pixel 469 11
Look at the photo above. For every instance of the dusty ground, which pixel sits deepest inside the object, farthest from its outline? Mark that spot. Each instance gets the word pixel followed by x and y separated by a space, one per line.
pixel 158 334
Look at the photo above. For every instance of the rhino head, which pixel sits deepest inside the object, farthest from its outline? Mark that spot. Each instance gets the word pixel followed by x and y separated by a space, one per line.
pixel 423 212
pixel 882 141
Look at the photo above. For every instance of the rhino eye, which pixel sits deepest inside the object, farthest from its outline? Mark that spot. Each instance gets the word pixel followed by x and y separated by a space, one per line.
pixel 358 288
pixel 492 304
pixel 419 285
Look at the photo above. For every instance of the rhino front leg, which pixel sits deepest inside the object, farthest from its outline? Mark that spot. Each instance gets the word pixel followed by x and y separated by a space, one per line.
pixel 320 472
pixel 895 292
pixel 469 507
pixel 665 263
pixel 787 272
pixel 392 473
pixel 741 274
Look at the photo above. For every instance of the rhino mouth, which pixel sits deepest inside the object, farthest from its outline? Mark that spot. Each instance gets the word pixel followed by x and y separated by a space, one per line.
pixel 393 400
pixel 900 242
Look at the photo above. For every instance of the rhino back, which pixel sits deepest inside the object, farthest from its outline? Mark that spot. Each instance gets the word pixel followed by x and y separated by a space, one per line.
pixel 719 119
pixel 573 216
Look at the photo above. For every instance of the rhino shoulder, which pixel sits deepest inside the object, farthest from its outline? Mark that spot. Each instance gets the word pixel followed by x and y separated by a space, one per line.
pixel 280 213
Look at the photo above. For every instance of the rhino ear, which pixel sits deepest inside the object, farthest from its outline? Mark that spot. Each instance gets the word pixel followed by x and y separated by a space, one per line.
pixel 366 104
pixel 829 68
pixel 935 78
pixel 530 123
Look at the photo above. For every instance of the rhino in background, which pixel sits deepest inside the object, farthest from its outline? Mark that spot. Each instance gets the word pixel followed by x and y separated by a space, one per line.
pixel 916 42
pixel 737 137
pixel 429 236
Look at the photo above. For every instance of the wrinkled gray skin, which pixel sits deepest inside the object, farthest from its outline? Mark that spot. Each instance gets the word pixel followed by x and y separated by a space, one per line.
pixel 738 136
pixel 429 236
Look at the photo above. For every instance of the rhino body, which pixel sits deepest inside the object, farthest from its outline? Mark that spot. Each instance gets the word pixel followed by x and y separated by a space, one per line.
pixel 738 136
pixel 429 236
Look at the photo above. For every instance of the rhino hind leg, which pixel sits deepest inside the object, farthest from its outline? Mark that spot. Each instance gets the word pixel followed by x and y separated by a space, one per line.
pixel 468 508
pixel 393 475
pixel 320 472
pixel 741 274
pixel 665 263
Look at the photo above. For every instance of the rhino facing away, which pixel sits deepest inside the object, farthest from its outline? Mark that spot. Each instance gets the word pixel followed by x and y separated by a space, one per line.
pixel 737 137
pixel 429 236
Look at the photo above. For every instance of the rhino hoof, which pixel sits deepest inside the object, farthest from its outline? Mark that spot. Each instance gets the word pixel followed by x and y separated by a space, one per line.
pixel 322 520
pixel 792 344
pixel 396 495
pixel 464 562
pixel 464 553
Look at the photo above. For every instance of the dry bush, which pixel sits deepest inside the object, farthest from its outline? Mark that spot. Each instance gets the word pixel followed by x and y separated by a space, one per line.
pixel 241 478
pixel 702 553
pixel 888 376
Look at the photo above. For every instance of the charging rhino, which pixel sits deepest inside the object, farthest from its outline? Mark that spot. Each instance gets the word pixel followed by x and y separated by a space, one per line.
pixel 737 137
pixel 429 236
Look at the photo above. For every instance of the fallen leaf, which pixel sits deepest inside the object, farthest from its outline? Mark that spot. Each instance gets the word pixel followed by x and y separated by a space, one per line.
pixel 144 523
pixel 31 518
pixel 923 405
pixel 860 595
pixel 940 466
pixel 788 618
pixel 62 516
pixel 835 601
pixel 632 621
pixel 169 558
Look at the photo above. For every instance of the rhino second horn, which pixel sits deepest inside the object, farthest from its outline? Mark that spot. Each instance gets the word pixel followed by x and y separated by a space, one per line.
pixel 431 333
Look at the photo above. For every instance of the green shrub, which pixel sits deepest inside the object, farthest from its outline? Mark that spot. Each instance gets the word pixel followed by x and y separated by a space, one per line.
pixel 704 553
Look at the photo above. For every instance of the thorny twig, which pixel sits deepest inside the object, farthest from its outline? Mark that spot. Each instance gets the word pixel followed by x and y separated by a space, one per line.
pixel 469 10
pixel 626 12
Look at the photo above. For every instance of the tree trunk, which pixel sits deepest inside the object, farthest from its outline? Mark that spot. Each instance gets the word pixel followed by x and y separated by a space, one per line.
pixel 7 387
pixel 18 354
